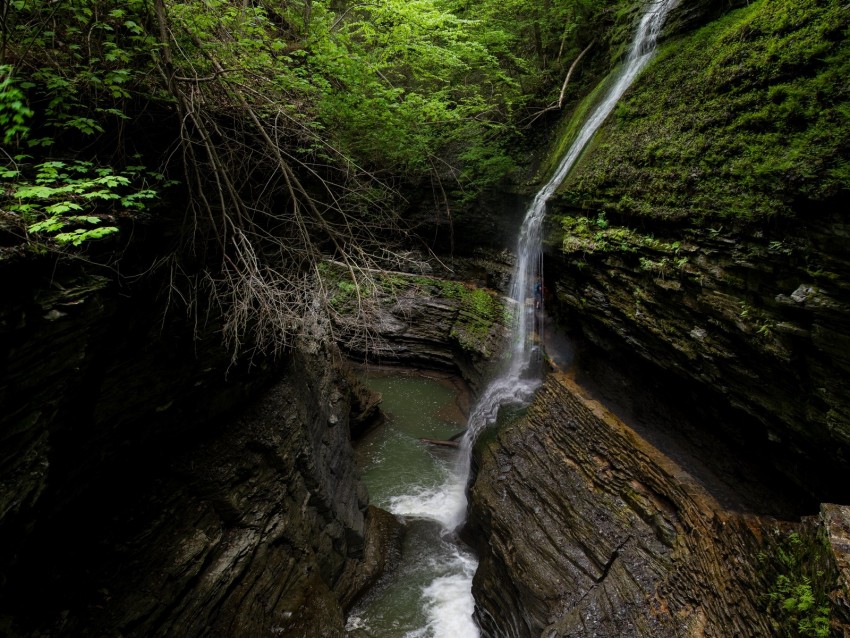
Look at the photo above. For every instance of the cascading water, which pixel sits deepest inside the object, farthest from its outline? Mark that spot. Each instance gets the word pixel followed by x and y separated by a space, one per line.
pixel 448 599
pixel 521 377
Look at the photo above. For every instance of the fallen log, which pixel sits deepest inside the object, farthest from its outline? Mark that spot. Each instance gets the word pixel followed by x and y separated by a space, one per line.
pixel 440 442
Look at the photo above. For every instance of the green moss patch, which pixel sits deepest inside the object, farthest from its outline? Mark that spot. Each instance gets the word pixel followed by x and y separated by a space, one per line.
pixel 745 118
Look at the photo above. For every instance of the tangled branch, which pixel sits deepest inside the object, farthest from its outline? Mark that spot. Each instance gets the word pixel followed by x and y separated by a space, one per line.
pixel 251 206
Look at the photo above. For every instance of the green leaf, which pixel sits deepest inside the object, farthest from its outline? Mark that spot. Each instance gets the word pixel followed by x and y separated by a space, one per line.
pixel 48 225
pixel 62 207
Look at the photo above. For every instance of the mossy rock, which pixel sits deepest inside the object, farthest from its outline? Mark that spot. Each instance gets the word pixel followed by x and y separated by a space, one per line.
pixel 748 117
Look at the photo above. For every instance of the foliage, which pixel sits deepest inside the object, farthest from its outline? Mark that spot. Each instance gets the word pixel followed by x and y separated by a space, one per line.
pixel 800 576
pixel 746 117
pixel 415 82
pixel 76 198
pixel 65 200
pixel 585 235
pixel 80 60
pixel 14 112
pixel 290 125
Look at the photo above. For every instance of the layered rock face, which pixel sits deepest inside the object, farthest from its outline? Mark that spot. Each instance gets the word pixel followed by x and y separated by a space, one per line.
pixel 699 246
pixel 588 529
pixel 140 499
pixel 742 321
pixel 434 322
pixel 705 230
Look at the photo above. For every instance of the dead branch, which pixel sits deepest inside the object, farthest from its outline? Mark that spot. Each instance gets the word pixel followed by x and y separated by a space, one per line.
pixel 560 103
pixel 268 279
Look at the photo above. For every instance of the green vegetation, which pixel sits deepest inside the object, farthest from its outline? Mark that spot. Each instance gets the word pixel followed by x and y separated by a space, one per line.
pixel 480 310
pixel 746 117
pixel 584 235
pixel 800 576
pixel 67 201
pixel 70 201
pixel 293 129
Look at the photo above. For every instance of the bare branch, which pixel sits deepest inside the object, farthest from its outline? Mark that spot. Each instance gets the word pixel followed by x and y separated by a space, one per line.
pixel 560 103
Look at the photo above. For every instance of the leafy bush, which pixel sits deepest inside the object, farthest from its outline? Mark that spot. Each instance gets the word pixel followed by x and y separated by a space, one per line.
pixel 800 576
pixel 65 200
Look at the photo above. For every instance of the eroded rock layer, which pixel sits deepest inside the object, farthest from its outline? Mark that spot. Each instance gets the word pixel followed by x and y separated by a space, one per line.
pixel 740 319
pixel 432 322
pixel 588 530
pixel 140 499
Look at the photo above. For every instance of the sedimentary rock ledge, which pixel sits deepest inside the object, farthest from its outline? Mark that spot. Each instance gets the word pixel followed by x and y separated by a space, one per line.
pixel 587 529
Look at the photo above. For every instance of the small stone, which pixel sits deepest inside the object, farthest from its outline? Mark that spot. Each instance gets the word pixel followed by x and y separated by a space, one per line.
pixel 802 294
pixel 699 333
pixel 54 314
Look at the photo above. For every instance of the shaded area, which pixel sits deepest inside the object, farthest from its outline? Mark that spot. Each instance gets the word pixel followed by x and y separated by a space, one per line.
pixel 670 414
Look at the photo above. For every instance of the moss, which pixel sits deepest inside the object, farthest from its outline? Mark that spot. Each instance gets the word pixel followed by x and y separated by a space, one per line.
pixel 480 310
pixel 799 576
pixel 585 235
pixel 745 118
pixel 570 126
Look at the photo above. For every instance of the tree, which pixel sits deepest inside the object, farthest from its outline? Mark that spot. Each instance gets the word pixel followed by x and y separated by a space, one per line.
pixel 295 123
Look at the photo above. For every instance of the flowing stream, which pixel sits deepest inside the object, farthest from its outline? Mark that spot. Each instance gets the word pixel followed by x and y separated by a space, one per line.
pixel 428 593
pixel 445 602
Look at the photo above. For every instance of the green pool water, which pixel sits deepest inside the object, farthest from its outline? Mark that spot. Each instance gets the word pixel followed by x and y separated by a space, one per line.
pixel 429 594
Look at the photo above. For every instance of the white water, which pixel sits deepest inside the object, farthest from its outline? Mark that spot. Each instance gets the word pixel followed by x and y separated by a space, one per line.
pixel 448 599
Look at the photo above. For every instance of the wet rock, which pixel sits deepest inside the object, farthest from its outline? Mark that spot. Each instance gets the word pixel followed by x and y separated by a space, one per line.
pixel 181 512
pixel 745 325
pixel 586 529
pixel 431 323
pixel 835 521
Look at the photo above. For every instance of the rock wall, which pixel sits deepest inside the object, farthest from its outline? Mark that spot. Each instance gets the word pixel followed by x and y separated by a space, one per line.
pixel 587 529
pixel 141 498
pixel 699 248
pixel 434 322
pixel 741 321
pixel 704 229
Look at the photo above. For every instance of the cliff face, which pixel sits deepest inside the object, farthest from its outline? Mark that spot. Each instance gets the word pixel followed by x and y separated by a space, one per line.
pixel 141 499
pixel 705 229
pixel 741 321
pixel 588 528
pixel 700 247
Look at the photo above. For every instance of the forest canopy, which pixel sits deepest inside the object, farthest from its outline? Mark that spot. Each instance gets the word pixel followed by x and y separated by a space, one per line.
pixel 290 128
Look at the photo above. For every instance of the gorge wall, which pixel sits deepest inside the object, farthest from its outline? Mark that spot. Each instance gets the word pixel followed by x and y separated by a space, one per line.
pixel 585 528
pixel 698 251
pixel 448 319
pixel 139 495
pixel 704 230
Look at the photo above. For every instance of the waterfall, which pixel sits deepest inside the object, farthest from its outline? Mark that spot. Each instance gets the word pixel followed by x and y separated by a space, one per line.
pixel 521 376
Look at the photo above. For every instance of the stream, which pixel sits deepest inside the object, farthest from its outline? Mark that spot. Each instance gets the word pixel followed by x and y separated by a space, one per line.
pixel 429 593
